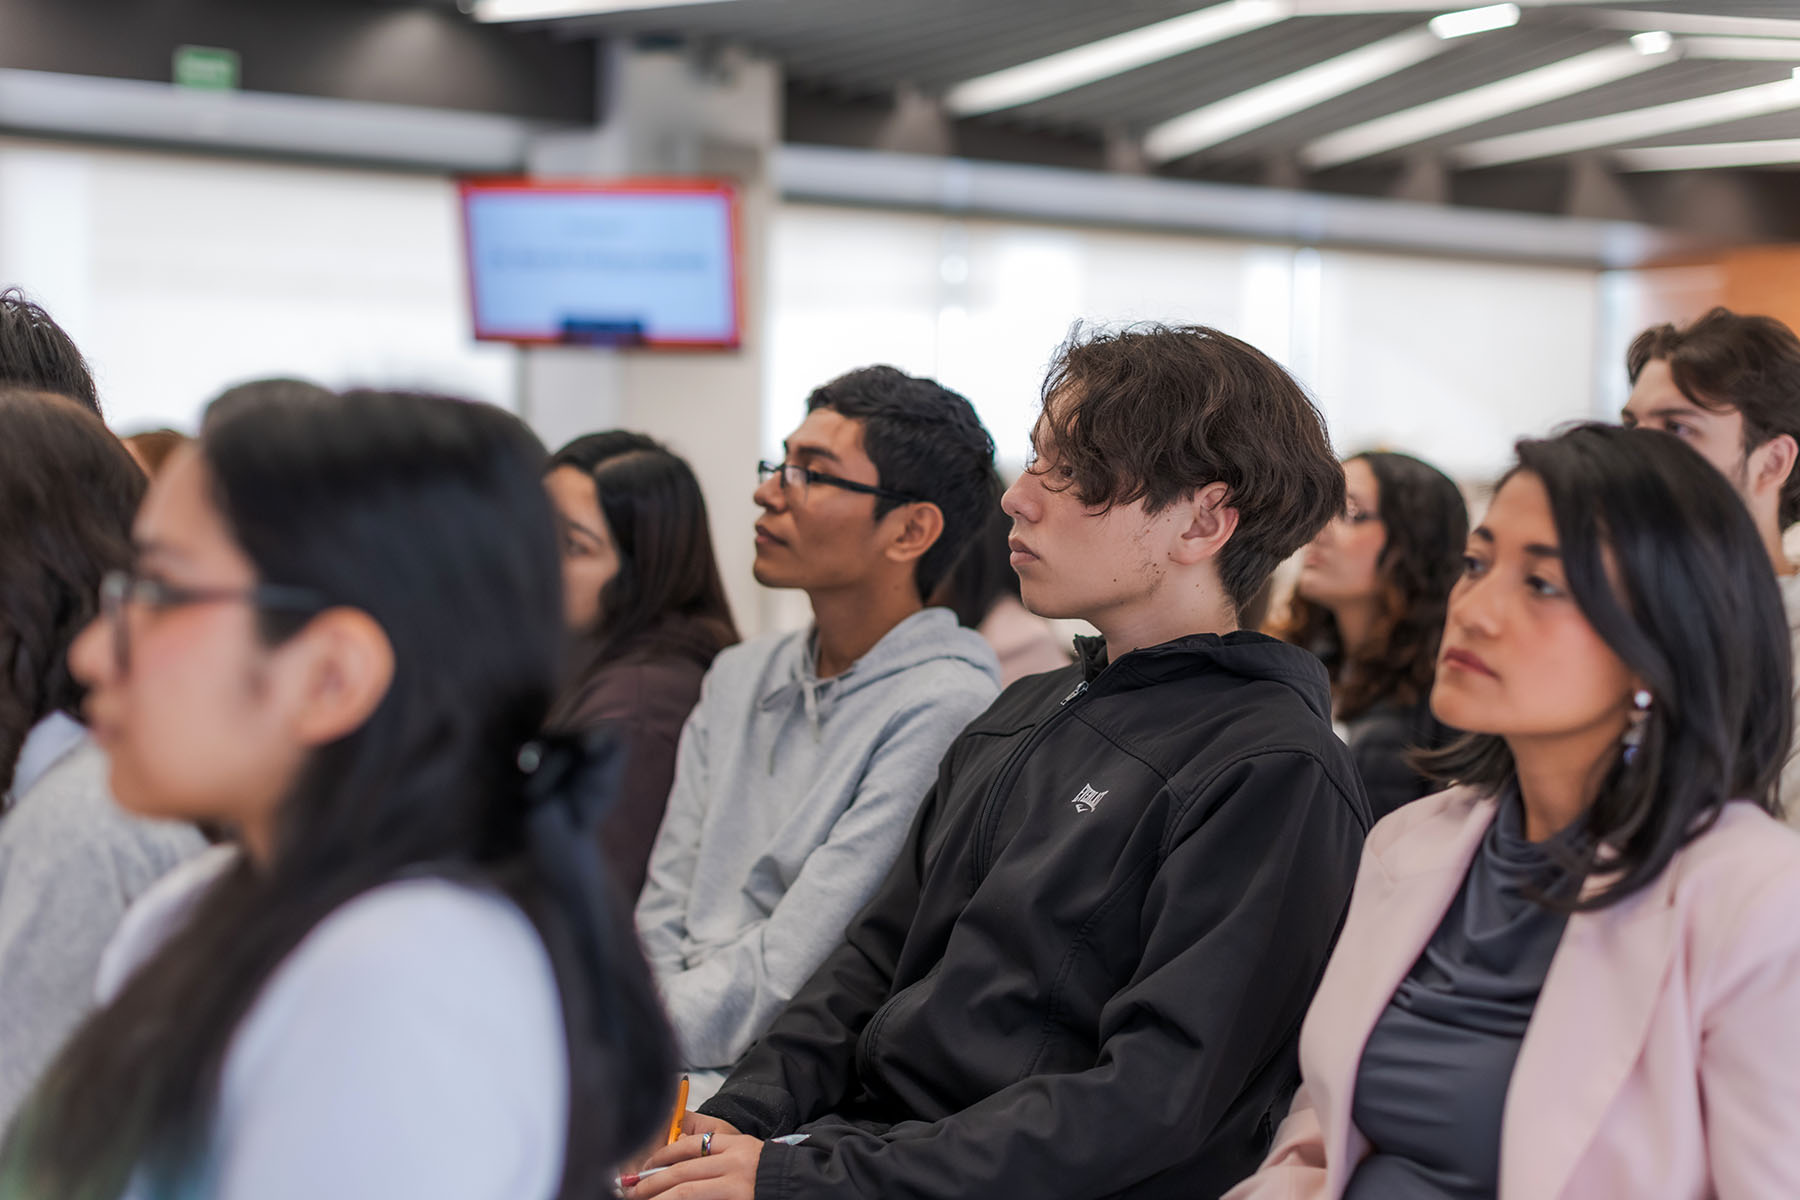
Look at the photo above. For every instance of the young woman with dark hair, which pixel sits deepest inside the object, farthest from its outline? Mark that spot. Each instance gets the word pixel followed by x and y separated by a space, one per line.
pixel 70 861
pixel 1576 973
pixel 340 637
pixel 1370 602
pixel 643 598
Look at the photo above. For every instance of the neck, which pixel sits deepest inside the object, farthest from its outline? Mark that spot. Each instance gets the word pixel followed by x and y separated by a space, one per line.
pixel 1771 537
pixel 849 621
pixel 1560 776
pixel 1182 610
pixel 1355 623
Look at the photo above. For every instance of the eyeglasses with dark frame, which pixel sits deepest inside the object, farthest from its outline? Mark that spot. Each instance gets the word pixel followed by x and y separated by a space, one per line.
pixel 793 475
pixel 121 588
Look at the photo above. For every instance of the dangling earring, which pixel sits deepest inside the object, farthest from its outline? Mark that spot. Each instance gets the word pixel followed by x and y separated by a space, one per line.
pixel 1640 717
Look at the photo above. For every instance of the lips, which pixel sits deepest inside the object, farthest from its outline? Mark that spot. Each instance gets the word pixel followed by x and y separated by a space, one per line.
pixel 763 535
pixel 1465 660
pixel 1021 553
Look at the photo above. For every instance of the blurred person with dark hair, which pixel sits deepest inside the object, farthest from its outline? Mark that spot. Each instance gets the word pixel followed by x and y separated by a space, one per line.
pixel 1085 974
pixel 1728 384
pixel 1575 974
pixel 409 977
pixel 647 610
pixel 70 861
pixel 37 356
pixel 152 448
pixel 983 591
pixel 1370 603
pixel 803 763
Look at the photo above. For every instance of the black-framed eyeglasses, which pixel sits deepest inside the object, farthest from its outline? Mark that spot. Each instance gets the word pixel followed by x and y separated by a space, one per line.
pixel 796 477
pixel 121 588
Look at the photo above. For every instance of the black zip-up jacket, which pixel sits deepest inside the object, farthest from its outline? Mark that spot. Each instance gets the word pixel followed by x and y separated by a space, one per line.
pixel 1086 973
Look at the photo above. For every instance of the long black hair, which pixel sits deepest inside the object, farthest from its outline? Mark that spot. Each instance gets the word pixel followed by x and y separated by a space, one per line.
pixel 1427 524
pixel 1665 563
pixel 429 515
pixel 68 492
pixel 667 596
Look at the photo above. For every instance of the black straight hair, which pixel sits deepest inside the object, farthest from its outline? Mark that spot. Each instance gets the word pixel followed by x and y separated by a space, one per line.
pixel 429 514
pixel 68 493
pixel 926 442
pixel 667 596
pixel 1665 563
pixel 37 355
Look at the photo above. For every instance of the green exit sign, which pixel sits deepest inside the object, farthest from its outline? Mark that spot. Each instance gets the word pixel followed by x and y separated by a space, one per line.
pixel 206 67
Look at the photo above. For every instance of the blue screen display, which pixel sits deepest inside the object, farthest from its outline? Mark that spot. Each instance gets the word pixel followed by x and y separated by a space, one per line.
pixel 602 267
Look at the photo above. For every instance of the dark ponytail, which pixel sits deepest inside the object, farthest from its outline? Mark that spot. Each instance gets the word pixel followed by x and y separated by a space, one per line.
pixel 429 515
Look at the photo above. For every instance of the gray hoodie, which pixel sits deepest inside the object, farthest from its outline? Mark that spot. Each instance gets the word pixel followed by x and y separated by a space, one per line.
pixel 792 796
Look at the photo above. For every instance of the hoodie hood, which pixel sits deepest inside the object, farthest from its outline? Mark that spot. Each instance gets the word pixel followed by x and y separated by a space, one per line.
pixel 1245 654
pixel 929 636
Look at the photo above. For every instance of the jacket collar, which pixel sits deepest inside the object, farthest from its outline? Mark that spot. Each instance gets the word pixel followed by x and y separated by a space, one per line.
pixel 49 741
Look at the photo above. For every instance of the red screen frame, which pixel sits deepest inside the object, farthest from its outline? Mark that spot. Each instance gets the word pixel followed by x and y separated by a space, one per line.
pixel 474 185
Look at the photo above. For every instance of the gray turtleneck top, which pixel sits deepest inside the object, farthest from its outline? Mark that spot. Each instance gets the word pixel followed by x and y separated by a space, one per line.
pixel 1431 1089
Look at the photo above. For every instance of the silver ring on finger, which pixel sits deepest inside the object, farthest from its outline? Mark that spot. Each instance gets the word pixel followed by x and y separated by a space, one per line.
pixel 706 1143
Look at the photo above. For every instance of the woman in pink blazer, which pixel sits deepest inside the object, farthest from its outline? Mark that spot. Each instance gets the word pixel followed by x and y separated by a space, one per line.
pixel 1577 975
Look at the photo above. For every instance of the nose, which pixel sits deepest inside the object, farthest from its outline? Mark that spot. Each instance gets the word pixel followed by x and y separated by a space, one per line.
pixel 1477 606
pixel 90 654
pixel 1021 501
pixel 768 494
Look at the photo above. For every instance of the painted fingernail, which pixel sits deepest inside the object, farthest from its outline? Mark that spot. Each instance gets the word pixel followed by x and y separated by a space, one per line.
pixel 628 1180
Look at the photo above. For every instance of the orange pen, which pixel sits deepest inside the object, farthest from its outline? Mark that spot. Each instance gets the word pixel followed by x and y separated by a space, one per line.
pixel 681 1094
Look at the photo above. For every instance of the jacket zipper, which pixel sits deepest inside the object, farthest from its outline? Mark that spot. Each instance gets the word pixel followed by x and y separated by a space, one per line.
pixel 983 839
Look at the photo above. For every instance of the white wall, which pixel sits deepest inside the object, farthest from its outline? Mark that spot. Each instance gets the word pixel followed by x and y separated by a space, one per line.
pixel 180 275
pixel 1452 360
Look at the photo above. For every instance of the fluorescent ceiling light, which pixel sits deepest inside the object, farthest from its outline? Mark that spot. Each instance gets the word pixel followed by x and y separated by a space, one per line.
pixel 1474 20
pixel 543 10
pixel 1774 27
pixel 1526 90
pixel 1358 8
pixel 1743 49
pixel 1653 42
pixel 1780 96
pixel 1111 56
pixel 1709 155
pixel 1260 105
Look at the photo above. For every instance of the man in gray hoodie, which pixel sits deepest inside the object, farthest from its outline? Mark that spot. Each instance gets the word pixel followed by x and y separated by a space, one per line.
pixel 802 766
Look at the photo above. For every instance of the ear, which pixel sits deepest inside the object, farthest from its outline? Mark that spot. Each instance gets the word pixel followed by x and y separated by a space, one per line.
pixel 340 667
pixel 1773 462
pixel 920 525
pixel 1207 522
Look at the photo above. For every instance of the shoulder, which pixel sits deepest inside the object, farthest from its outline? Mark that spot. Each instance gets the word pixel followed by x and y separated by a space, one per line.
pixel 423 933
pixel 624 688
pixel 741 665
pixel 1745 866
pixel 156 915
pixel 69 816
pixel 1428 819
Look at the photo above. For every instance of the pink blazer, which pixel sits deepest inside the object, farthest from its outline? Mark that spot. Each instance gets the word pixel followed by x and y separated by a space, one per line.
pixel 1663 1058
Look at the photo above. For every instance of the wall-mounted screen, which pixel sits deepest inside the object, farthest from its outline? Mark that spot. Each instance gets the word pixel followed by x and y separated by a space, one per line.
pixel 636 263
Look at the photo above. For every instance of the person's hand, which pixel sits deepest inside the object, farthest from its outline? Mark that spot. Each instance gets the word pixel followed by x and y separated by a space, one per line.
pixel 691 1122
pixel 726 1172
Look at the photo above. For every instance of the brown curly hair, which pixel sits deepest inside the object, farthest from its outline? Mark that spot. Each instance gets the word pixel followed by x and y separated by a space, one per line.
pixel 1427 526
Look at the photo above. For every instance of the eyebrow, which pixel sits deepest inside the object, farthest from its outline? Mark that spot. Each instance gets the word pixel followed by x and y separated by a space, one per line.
pixel 1683 410
pixel 1532 549
pixel 578 527
pixel 810 451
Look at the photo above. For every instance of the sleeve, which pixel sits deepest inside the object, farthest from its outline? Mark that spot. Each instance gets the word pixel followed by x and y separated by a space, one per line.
pixel 1234 942
pixel 662 905
pixel 398 1056
pixel 722 1003
pixel 803 1066
pixel 1749 1043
